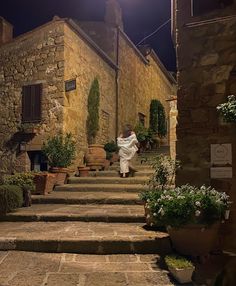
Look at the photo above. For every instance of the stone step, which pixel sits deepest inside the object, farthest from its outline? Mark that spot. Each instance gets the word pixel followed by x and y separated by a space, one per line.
pixel 88 198
pixel 113 173
pixel 131 188
pixel 140 168
pixel 107 180
pixel 68 269
pixel 82 237
pixel 89 213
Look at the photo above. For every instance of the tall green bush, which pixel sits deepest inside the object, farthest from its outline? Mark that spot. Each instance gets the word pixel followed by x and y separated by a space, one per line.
pixel 93 112
pixel 11 197
pixel 60 150
pixel 158 118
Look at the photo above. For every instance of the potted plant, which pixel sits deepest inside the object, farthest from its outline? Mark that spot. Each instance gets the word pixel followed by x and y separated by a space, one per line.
pixel 44 183
pixel 96 155
pixel 60 151
pixel 190 212
pixel 180 267
pixel 162 178
pixel 228 109
pixel 111 151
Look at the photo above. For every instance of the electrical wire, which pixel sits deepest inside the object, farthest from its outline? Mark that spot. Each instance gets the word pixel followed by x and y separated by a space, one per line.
pixel 153 33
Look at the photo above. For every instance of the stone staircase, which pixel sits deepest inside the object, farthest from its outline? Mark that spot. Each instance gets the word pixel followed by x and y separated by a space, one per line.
pixel 100 214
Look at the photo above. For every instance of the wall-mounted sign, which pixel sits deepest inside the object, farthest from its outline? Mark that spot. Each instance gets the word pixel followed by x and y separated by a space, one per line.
pixel 221 154
pixel 221 161
pixel 221 173
pixel 70 85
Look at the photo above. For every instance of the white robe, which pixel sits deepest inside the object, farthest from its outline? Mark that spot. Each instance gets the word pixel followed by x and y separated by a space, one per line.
pixel 127 151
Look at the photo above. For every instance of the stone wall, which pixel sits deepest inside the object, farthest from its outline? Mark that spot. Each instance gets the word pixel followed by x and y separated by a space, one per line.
pixel 35 57
pixel 84 64
pixel 140 81
pixel 206 55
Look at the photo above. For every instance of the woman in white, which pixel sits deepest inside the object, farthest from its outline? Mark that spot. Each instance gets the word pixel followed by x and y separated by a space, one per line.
pixel 127 149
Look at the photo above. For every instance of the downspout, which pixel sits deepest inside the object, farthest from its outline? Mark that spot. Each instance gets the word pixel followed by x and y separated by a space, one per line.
pixel 117 78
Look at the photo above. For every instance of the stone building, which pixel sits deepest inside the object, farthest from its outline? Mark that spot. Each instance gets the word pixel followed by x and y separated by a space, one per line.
pixel 205 37
pixel 46 75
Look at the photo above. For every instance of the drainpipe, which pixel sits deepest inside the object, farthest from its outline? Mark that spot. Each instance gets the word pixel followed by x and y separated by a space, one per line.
pixel 117 79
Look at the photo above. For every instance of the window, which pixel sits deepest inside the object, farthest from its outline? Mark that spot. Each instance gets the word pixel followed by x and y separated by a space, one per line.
pixel 200 7
pixel 141 117
pixel 31 103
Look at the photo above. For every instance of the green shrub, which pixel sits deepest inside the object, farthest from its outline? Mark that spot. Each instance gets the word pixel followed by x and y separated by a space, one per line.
pixel 60 150
pixel 93 112
pixel 23 180
pixel 11 197
pixel 177 261
pixel 111 147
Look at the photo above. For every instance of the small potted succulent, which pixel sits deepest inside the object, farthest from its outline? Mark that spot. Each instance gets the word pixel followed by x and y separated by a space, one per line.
pixel 181 268
pixel 83 171
pixel 60 151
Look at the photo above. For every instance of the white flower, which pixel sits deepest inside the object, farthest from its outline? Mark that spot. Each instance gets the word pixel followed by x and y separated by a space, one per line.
pixel 197 203
pixel 197 213
pixel 154 214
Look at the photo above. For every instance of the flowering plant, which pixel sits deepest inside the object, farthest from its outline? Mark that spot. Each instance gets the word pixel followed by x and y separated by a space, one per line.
pixel 228 109
pixel 188 204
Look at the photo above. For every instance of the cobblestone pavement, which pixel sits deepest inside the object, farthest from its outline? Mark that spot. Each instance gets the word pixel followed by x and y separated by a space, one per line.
pixel 46 269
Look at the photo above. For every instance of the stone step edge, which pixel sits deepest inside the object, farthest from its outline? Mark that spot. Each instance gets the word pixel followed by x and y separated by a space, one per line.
pixel 83 246
pixel 66 218
pixel 81 201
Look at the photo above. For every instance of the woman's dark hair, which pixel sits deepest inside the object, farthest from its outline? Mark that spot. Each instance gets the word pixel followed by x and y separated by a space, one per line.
pixel 127 130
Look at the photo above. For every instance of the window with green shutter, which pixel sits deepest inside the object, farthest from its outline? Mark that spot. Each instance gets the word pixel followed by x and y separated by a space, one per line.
pixel 31 103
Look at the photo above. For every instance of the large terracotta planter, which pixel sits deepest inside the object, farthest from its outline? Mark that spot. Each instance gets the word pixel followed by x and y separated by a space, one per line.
pixel 195 240
pixel 44 183
pixel 61 175
pixel 95 157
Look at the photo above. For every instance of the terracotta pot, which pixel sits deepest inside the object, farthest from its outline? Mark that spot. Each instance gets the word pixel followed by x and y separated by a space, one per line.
pixel 44 183
pixel 95 157
pixel 83 171
pixel 195 240
pixel 61 175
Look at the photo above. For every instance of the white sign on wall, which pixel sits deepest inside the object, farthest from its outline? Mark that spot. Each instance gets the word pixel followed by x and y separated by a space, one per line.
pixel 221 161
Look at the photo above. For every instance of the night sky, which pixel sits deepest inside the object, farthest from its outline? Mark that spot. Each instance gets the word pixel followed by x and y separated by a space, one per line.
pixel 141 17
